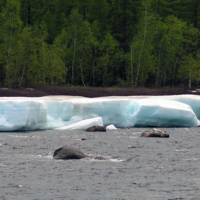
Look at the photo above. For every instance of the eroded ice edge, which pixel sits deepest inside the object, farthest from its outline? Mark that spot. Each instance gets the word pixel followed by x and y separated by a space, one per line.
pixel 68 112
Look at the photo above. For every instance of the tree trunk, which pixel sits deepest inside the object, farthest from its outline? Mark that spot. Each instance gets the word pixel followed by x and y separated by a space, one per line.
pixel 22 73
pixel 82 68
pixel 190 76
pixel 144 39
pixel 93 66
pixel 44 75
pixel 8 52
pixel 174 71
pixel 74 55
pixel 106 69
pixel 195 15
pixel 131 66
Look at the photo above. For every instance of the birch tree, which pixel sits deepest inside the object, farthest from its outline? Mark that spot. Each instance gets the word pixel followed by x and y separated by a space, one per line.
pixel 74 30
pixel 108 60
pixel 10 31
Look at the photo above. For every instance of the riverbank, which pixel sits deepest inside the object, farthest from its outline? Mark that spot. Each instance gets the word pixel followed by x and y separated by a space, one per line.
pixel 91 92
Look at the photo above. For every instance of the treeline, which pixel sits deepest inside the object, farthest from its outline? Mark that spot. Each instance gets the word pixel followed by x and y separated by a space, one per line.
pixel 99 42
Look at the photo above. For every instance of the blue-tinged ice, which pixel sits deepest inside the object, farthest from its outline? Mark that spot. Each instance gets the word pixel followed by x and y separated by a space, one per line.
pixel 191 100
pixel 69 113
pixel 22 114
pixel 163 113
pixel 84 124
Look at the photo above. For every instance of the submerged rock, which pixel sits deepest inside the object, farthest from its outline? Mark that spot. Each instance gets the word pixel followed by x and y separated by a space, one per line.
pixel 155 133
pixel 68 152
pixel 96 128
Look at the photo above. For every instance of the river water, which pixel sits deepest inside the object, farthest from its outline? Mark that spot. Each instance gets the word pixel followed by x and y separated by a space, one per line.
pixel 134 167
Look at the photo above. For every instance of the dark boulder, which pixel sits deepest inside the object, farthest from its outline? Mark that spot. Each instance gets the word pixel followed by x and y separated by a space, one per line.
pixel 68 152
pixel 96 128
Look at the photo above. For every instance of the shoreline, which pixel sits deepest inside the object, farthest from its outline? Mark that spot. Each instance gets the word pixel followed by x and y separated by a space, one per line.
pixel 40 91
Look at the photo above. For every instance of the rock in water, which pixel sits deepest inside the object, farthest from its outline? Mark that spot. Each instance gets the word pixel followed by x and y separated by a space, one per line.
pixel 155 133
pixel 68 152
pixel 96 128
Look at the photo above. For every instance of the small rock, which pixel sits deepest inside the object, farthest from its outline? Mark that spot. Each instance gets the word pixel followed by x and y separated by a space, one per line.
pixel 155 133
pixel 96 128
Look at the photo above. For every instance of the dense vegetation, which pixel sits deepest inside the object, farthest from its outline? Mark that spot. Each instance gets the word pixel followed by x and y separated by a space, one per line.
pixel 99 42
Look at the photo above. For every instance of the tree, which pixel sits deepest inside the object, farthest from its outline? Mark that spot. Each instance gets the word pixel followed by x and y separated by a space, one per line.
pixel 107 63
pixel 142 58
pixel 75 22
pixel 189 72
pixel 40 62
pixel 62 53
pixel 25 53
pixel 10 31
pixel 123 19
pixel 98 43
pixel 86 45
pixel 2 4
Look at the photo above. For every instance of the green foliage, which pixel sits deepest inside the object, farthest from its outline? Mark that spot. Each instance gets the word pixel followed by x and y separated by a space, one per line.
pixel 189 70
pixel 9 35
pixel 123 20
pixel 99 43
pixel 107 63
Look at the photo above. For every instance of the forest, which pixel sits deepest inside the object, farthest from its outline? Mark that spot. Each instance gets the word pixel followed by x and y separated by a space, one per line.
pixel 100 43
